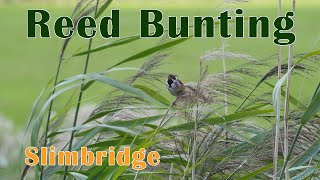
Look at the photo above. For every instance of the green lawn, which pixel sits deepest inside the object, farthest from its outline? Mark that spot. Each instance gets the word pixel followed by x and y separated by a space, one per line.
pixel 27 64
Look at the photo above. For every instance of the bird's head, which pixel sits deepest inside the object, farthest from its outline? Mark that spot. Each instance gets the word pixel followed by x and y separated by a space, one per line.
pixel 171 78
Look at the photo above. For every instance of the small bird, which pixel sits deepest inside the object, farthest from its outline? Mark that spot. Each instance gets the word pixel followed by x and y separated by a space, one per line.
pixel 187 93
pixel 174 85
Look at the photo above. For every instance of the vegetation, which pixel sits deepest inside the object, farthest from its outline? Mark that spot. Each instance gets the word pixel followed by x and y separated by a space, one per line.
pixel 224 127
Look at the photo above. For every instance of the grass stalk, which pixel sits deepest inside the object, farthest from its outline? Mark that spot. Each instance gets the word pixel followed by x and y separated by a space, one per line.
pixel 290 152
pixel 194 153
pixel 171 170
pixel 50 110
pixel 61 57
pixel 294 141
pixel 225 86
pixel 162 123
pixel 285 128
pixel 277 130
pixel 286 108
pixel 80 95
pixel 186 168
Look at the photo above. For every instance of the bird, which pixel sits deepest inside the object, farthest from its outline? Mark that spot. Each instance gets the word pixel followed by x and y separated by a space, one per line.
pixel 174 85
pixel 187 93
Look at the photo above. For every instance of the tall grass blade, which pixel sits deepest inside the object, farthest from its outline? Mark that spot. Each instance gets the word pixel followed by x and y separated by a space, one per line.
pixel 235 133
pixel 219 120
pixel 115 43
pixel 153 94
pixel 103 8
pixel 256 172
pixel 78 176
pixel 104 126
pixel 305 174
pixel 313 108
pixel 312 151
pixel 101 114
pixel 277 127
pixel 152 50
pixel 35 106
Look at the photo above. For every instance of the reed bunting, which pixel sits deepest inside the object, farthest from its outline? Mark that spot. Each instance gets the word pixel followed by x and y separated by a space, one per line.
pixel 187 93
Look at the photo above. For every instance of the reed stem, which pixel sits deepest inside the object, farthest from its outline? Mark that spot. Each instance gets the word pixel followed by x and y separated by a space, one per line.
pixel 277 130
pixel 286 108
pixel 85 69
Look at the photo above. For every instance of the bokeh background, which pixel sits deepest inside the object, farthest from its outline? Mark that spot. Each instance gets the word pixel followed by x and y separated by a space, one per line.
pixel 27 64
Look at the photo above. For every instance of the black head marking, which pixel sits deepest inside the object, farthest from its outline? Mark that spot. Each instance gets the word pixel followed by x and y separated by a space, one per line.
pixel 169 81
pixel 171 76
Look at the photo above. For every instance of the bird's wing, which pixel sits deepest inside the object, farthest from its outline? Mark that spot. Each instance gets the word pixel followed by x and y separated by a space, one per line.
pixel 180 82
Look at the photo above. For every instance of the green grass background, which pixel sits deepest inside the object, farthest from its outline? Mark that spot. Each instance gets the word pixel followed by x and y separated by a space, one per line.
pixel 26 64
